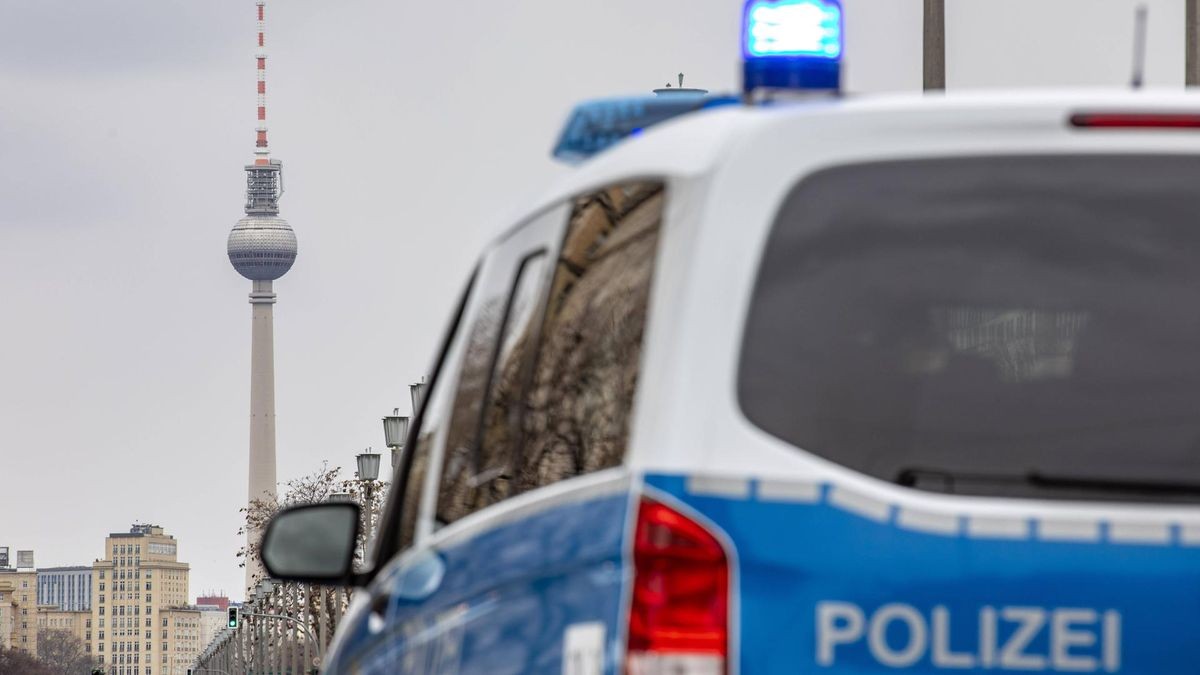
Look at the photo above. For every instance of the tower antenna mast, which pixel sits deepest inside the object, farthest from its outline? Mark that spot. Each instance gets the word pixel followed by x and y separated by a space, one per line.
pixel 262 151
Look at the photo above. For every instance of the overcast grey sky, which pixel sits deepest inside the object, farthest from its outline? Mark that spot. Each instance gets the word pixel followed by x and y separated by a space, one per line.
pixel 410 132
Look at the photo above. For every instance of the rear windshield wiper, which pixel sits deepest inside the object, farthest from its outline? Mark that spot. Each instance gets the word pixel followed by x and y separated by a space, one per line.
pixel 941 480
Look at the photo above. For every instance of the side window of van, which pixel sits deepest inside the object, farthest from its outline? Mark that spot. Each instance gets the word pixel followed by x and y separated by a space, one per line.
pixel 578 401
pixel 546 385
pixel 484 420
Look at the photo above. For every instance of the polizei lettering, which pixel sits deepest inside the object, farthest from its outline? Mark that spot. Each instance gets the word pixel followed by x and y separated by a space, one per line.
pixel 1062 639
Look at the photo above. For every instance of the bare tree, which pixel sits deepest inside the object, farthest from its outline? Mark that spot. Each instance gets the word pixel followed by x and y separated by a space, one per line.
pixel 318 486
pixel 63 653
pixel 315 487
pixel 315 609
pixel 17 662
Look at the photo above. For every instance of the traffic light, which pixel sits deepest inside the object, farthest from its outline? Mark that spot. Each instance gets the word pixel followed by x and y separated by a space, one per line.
pixel 233 617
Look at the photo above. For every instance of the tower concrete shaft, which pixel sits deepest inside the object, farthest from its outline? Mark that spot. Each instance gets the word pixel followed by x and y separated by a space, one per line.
pixel 262 409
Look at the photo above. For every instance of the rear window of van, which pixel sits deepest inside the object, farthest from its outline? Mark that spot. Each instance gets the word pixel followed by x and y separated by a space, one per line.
pixel 1014 326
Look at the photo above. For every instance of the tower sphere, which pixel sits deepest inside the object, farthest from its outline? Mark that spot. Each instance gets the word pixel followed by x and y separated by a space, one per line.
pixel 262 247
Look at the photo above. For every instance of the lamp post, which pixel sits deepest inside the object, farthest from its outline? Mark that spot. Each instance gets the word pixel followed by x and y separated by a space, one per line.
pixel 417 391
pixel 368 474
pixel 395 431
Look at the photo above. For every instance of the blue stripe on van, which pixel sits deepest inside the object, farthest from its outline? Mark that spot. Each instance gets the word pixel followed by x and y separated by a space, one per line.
pixel 826 587
pixel 502 600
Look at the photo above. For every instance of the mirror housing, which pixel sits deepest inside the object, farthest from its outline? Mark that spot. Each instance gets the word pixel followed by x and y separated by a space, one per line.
pixel 312 543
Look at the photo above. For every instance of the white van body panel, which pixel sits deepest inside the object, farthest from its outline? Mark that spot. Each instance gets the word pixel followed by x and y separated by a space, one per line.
pixel 687 418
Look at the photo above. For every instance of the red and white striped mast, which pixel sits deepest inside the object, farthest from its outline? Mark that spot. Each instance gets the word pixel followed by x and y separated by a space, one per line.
pixel 261 151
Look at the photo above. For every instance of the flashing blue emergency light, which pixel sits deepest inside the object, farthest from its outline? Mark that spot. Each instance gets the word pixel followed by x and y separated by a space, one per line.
pixel 792 44
pixel 594 126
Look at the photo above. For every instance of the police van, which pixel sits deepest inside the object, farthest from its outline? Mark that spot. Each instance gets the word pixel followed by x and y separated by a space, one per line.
pixel 829 385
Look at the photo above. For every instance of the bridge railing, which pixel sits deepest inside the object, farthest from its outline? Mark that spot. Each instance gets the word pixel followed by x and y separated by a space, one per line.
pixel 285 629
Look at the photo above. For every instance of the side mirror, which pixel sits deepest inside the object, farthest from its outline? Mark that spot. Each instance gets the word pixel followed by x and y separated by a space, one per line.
pixel 312 543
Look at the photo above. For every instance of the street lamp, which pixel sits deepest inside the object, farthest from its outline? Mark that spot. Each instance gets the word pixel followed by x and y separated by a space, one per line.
pixel 417 391
pixel 368 465
pixel 368 473
pixel 395 432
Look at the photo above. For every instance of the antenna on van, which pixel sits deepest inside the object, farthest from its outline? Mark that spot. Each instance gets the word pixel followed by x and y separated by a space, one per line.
pixel 934 47
pixel 1191 35
pixel 1139 47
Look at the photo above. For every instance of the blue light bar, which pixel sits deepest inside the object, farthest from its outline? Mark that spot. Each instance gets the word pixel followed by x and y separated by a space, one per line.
pixel 792 44
pixel 594 126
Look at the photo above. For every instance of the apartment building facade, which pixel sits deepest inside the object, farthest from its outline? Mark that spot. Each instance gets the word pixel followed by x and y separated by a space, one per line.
pixel 141 622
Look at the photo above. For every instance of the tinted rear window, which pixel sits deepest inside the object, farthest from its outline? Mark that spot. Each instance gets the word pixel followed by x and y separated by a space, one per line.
pixel 965 324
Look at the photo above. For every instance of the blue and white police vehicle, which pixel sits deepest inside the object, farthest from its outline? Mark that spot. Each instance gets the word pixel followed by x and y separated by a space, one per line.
pixel 830 385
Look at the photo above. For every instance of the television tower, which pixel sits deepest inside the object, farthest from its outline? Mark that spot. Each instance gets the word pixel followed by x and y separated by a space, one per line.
pixel 262 248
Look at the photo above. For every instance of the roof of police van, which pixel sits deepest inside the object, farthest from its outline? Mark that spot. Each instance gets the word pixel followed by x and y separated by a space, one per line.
pixel 693 144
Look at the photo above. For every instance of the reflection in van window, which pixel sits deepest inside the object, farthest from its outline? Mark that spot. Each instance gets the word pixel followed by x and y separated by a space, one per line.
pixel 1011 326
pixel 579 400
pixel 548 377
pixel 479 448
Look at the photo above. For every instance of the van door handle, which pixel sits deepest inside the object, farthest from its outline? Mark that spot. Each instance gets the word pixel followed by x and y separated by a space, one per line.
pixel 377 613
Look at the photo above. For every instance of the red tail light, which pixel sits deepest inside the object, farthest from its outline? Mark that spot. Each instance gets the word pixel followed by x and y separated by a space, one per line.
pixel 1136 120
pixel 679 619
